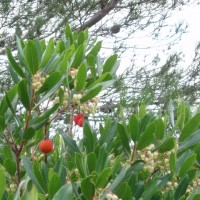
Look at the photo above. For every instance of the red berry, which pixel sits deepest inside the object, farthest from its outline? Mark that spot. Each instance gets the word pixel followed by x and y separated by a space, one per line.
pixel 78 119
pixel 46 146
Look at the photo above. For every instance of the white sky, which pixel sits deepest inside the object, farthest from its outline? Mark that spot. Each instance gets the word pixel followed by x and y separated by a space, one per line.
pixel 188 15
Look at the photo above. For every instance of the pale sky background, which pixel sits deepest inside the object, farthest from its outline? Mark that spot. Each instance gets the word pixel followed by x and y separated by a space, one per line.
pixel 189 15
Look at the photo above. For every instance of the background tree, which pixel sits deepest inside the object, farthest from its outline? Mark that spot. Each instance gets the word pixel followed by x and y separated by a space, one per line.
pixel 117 20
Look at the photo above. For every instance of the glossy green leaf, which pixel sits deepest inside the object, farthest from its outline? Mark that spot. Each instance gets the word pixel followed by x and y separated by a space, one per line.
pixel 91 93
pixel 194 139
pixel 10 166
pixel 32 56
pixel 102 156
pixel 88 138
pixel 87 188
pixel 2 182
pixel 33 195
pixel 142 110
pixel 172 163
pixel 2 123
pixel 14 64
pixel 91 162
pixel 124 138
pixel 80 165
pixel 20 48
pixel 180 115
pixel 78 57
pixel 81 38
pixel 64 193
pixel 54 185
pixel 29 133
pixel 166 145
pixel 24 93
pixel 47 53
pixel 181 189
pixel 189 162
pixel 95 50
pixel 28 166
pixel 81 77
pixel 150 189
pixel 104 77
pixel 68 34
pixel 146 137
pixel 49 82
pixel 134 128
pixel 109 64
pixel 70 143
pixel 103 178
pixel 159 129
pixel 190 127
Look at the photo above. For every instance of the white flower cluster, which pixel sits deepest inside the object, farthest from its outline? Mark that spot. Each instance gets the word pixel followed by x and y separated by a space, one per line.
pixel 72 72
pixel 90 107
pixel 37 81
pixel 195 183
pixel 112 197
pixel 65 98
pixel 154 160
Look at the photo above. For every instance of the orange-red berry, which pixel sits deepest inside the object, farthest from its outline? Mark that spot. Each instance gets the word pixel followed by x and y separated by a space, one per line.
pixel 46 146
pixel 78 119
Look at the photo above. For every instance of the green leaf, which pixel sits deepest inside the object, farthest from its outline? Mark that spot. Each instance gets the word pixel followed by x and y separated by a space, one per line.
pixel 189 162
pixel 54 185
pixel 49 82
pixel 28 166
pixel 70 143
pixel 68 34
pixel 190 127
pixel 33 195
pixel 38 122
pixel 91 162
pixel 146 137
pixel 142 110
pixel 2 123
pixel 88 138
pixel 47 53
pixel 32 56
pixel 134 128
pixel 167 145
pixel 172 163
pixel 194 139
pixel 103 178
pixel 14 64
pixel 81 77
pixel 102 156
pixel 124 138
pixel 81 38
pixel 80 165
pixel 150 189
pixel 123 191
pixel 110 63
pixel 160 129
pixel 2 182
pixel 78 58
pixel 29 133
pixel 20 47
pixel 91 93
pixel 95 50
pixel 24 94
pixel 10 166
pixel 65 193
pixel 181 189
pixel 87 188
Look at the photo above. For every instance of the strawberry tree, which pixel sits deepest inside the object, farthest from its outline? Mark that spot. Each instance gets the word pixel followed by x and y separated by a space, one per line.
pixel 145 157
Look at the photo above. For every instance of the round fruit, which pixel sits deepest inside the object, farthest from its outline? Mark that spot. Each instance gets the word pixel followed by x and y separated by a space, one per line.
pixel 78 119
pixel 46 146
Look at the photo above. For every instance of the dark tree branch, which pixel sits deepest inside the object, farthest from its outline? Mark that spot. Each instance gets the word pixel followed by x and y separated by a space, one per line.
pixel 99 15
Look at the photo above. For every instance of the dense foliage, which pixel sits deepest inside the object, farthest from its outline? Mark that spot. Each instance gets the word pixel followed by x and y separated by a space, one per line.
pixel 145 157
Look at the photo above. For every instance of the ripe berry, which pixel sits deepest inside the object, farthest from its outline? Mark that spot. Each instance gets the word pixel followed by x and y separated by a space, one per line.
pixel 46 146
pixel 78 119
